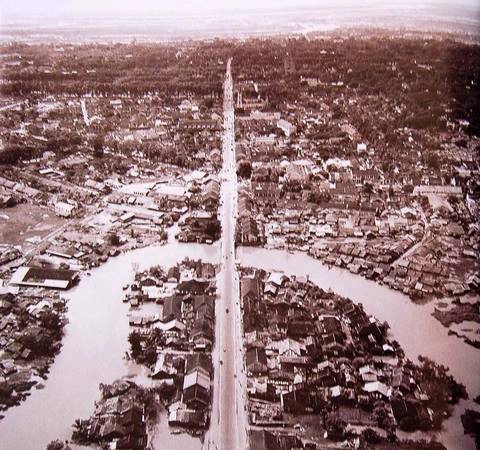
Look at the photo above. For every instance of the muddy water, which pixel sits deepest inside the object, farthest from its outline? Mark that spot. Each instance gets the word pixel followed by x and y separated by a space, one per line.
pixel 93 349
pixel 97 333
pixel 411 325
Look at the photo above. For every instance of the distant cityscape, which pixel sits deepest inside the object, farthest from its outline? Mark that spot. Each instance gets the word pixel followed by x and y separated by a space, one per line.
pixel 246 20
pixel 243 234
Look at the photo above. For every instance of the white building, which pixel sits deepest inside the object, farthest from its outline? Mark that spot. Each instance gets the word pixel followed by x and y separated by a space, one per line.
pixel 265 140
pixel 286 127
pixel 174 193
pixel 361 147
pixel 64 209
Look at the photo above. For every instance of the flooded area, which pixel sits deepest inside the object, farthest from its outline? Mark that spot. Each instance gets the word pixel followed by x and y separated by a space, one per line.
pixel 165 437
pixel 93 349
pixel 91 355
pixel 411 325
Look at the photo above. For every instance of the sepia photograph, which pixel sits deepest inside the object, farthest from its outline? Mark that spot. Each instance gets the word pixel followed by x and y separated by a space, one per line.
pixel 239 225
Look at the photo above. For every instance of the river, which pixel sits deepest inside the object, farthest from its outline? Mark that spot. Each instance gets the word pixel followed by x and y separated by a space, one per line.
pixel 410 324
pixel 97 332
pixel 94 345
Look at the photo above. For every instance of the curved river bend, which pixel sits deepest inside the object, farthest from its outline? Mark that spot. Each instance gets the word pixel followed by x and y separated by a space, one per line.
pixel 412 325
pixel 96 340
pixel 94 346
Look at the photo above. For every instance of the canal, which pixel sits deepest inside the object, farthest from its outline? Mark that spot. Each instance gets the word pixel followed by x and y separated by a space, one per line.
pixel 94 346
pixel 96 340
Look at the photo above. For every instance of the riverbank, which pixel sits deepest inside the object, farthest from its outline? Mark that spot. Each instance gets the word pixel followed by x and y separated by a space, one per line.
pixel 31 331
pixel 310 352
pixel 89 355
pixel 410 324
pixel 461 307
pixel 33 318
pixel 95 306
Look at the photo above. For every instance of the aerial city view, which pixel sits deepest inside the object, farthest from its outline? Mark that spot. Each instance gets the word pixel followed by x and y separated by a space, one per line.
pixel 240 225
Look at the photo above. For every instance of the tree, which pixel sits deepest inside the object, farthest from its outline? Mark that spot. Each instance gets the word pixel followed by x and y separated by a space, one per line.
pixel 80 431
pixel 368 189
pixel 113 239
pixel 58 445
pixel 213 228
pixel 135 341
pixel 12 153
pixel 208 103
pixel 23 318
pixel 52 322
pixel 319 197
pixel 244 169
pixel 150 355
pixel 453 200
pixel 382 416
pixel 40 346
pixel 371 436
pixel 433 161
pixel 334 425
pixel 157 337
pixel 97 143
pixel 408 424
pixel 158 272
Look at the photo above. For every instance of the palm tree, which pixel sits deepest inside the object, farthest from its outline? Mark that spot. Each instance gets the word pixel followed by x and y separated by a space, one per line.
pixel 80 431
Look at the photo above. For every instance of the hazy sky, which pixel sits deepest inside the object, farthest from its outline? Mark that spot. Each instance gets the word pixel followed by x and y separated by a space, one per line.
pixel 137 7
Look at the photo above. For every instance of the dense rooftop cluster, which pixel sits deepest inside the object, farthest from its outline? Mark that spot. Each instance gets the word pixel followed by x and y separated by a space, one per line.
pixel 316 362
pixel 365 163
pixel 31 328
pixel 172 321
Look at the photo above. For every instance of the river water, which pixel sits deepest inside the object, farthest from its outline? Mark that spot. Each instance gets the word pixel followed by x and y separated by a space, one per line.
pixel 410 324
pixel 94 345
pixel 96 340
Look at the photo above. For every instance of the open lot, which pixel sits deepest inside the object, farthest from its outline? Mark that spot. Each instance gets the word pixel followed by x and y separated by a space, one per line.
pixel 26 221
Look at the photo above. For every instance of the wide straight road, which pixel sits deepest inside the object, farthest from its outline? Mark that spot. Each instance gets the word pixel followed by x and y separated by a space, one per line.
pixel 228 428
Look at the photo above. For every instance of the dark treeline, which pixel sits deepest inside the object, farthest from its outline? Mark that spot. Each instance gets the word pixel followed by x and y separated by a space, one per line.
pixel 430 80
pixel 115 70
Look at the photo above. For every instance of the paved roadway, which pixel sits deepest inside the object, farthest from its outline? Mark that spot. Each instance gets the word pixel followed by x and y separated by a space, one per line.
pixel 228 419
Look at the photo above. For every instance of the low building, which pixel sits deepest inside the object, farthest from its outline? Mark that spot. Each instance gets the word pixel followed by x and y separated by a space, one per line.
pixel 64 252
pixel 287 128
pixel 437 189
pixel 185 417
pixel 361 147
pixel 64 209
pixel 173 193
pixel 198 377
pixel 47 278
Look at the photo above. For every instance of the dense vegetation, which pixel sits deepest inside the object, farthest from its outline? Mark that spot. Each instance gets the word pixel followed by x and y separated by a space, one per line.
pixel 430 81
